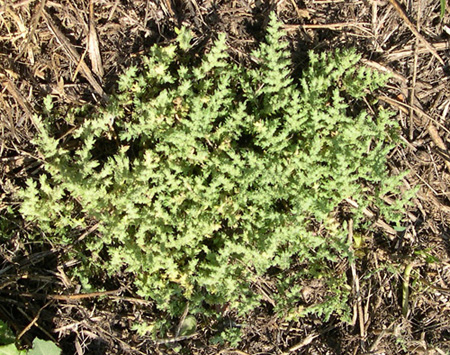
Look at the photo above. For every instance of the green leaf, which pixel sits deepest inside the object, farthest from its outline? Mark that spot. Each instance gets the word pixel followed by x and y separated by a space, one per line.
pixel 11 350
pixel 188 326
pixel 44 347
pixel 399 228
pixel 442 8
pixel 184 37
pixel 6 335
pixel 48 105
pixel 358 240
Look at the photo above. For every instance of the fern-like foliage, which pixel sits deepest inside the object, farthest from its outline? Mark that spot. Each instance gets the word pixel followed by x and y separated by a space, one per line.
pixel 203 175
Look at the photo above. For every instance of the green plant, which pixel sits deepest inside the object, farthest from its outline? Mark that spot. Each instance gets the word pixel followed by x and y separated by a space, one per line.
pixel 6 334
pixel 7 223
pixel 203 175
pixel 40 347
pixel 231 336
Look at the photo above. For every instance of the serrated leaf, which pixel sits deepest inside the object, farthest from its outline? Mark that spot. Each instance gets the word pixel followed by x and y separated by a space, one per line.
pixel 48 104
pixel 184 37
pixel 44 347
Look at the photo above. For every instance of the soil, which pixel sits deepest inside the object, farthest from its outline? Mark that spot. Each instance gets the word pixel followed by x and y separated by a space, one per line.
pixel 75 50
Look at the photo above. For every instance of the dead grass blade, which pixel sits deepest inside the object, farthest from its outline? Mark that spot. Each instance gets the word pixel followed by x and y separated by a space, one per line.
pixel 306 341
pixel 385 69
pixel 233 352
pixel 362 330
pixel 390 232
pixel 404 108
pixel 412 92
pixel 93 44
pixel 20 33
pixel 79 296
pixel 405 288
pixel 434 134
pixel 21 100
pixel 74 55
pixel 34 22
pixel 175 340
pixel 408 51
pixel 329 26
pixel 14 5
pixel 182 318
pixel 413 29
pixel 431 129
pixel 167 8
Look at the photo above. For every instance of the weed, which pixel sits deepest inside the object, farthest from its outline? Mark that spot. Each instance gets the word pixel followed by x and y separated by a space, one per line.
pixel 203 175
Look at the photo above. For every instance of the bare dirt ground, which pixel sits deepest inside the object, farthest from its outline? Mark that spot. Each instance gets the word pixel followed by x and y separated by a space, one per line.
pixel 74 51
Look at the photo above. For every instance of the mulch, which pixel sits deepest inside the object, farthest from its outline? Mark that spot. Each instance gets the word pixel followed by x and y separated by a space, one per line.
pixel 75 50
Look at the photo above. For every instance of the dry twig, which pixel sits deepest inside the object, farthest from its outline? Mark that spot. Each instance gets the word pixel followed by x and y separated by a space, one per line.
pixel 362 331
pixel 379 223
pixel 33 322
pixel 306 341
pixel 74 55
pixel 73 297
pixel 413 29
pixel 407 51
pixel 329 26
pixel 436 138
pixel 94 45
pixel 21 100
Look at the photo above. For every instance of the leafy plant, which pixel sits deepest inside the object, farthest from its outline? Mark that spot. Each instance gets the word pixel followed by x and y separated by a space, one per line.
pixel 43 347
pixel 231 336
pixel 40 347
pixel 6 334
pixel 7 225
pixel 203 175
